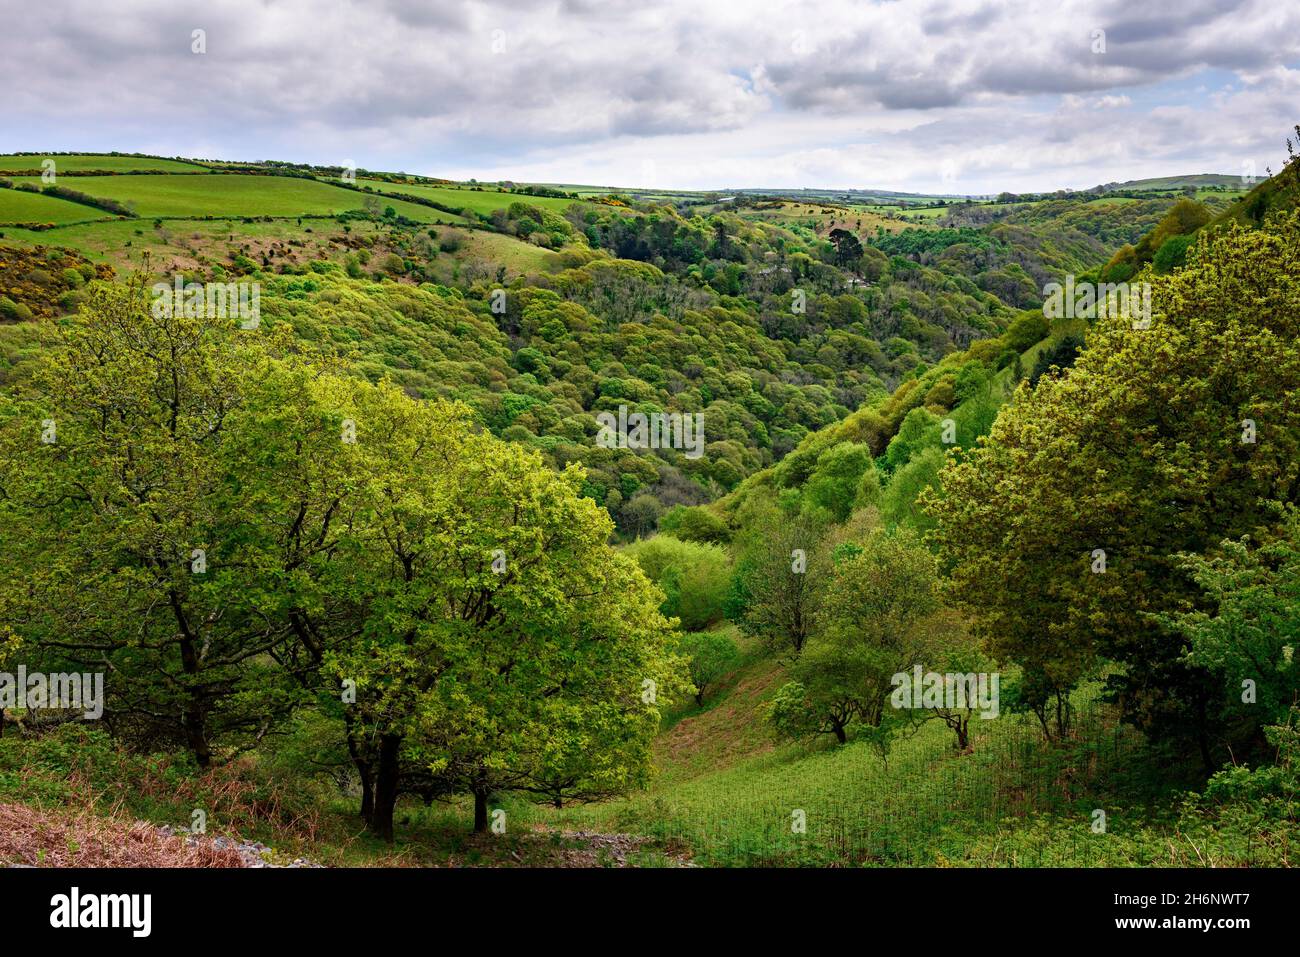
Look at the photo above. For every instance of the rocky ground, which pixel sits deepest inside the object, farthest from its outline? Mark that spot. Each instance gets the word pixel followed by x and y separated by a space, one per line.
pixel 611 850
pixel 252 853
pixel 34 837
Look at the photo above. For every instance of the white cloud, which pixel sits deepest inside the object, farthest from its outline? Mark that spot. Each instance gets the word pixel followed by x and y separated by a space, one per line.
pixel 724 92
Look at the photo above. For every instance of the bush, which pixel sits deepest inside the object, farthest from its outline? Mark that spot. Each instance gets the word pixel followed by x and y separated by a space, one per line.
pixel 693 524
pixel 11 311
pixel 711 655
pixel 695 578
pixel 1173 254
pixel 837 478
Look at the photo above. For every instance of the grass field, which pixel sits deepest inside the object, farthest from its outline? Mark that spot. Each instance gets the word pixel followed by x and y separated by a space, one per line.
pixel 821 218
pixel 726 792
pixel 125 242
pixel 89 161
pixel 180 243
pixel 473 200
pixel 235 195
pixel 20 206
pixel 861 807
pixel 515 254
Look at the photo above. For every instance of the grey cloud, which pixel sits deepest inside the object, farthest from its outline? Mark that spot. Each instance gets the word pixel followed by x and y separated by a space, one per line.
pixel 419 77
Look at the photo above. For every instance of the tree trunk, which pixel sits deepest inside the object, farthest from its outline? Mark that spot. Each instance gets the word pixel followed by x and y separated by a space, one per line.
pixel 193 716
pixel 196 735
pixel 367 790
pixel 838 728
pixel 1202 737
pixel 381 821
pixel 366 775
pixel 480 810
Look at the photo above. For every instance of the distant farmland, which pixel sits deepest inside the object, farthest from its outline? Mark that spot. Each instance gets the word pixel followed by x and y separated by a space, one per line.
pixel 77 163
pixel 472 200
pixel 234 195
pixel 20 206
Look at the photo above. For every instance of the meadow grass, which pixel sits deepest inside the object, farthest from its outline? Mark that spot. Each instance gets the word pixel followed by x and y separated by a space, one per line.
pixel 91 161
pixel 474 201
pixel 20 206
pixel 517 255
pixel 235 195
pixel 123 242
pixel 927 212
pixel 858 219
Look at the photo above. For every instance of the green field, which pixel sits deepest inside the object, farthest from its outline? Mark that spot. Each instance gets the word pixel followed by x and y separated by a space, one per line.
pixel 20 206
pixel 925 212
pixel 84 162
pixel 485 201
pixel 922 805
pixel 182 243
pixel 124 241
pixel 235 195
pixel 515 254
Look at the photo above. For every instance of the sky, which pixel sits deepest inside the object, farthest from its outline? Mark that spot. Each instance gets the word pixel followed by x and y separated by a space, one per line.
pixel 951 96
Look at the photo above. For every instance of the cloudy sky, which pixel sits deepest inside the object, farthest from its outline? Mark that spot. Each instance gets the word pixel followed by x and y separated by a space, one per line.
pixel 955 96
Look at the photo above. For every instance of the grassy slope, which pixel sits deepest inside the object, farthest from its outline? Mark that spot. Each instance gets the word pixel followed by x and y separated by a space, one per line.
pixel 1179 182
pixel 515 254
pixel 484 201
pixel 20 206
pixel 1270 195
pixel 823 218
pixel 727 790
pixel 92 161
pixel 234 195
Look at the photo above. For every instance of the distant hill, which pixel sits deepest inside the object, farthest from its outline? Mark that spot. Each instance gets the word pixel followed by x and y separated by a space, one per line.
pixel 1281 192
pixel 1197 180
pixel 883 196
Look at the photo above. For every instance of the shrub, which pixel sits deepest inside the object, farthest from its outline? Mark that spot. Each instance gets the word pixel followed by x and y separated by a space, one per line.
pixel 711 654
pixel 695 578
pixel 693 524
pixel 1173 254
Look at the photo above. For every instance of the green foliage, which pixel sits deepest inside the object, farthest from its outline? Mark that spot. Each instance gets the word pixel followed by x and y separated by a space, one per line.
pixel 135 548
pixel 236 530
pixel 879 616
pixel 840 473
pixel 1172 254
pixel 913 242
pixel 1060 355
pixel 1185 217
pixel 695 578
pixel 710 656
pixel 1139 452
pixel 1252 628
pixel 694 524
pixel 781 576
pixel 899 499
pixel 920 430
